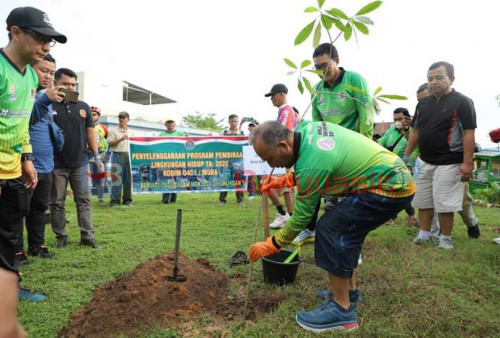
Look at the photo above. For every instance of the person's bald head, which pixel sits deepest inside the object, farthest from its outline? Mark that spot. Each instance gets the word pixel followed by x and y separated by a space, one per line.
pixel 273 142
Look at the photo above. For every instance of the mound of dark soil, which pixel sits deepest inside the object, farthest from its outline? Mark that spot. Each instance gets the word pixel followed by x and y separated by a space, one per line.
pixel 145 297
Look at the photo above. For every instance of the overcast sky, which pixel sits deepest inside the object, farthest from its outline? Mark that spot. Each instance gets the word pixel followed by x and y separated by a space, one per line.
pixel 222 56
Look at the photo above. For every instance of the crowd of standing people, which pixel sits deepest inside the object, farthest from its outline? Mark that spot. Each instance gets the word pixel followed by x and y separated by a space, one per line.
pixel 421 163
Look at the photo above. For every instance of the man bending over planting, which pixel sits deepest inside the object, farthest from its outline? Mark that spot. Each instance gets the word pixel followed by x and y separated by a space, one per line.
pixel 332 160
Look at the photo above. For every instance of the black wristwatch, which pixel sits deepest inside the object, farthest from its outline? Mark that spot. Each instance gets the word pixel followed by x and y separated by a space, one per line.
pixel 27 157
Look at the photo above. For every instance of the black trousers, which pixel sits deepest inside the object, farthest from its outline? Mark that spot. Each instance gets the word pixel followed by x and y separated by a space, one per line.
pixel 35 221
pixel 14 204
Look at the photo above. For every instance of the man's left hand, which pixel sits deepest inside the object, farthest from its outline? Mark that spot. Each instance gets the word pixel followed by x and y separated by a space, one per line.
pixel 261 249
pixel 466 171
pixel 29 173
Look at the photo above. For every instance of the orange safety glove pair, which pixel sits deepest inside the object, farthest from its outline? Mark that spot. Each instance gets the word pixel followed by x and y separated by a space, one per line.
pixel 269 183
pixel 262 249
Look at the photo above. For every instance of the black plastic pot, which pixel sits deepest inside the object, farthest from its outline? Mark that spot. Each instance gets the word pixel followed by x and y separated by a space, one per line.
pixel 277 272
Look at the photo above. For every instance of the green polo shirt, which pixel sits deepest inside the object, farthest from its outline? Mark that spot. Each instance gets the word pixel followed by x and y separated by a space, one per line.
pixel 332 160
pixel 17 96
pixel 344 106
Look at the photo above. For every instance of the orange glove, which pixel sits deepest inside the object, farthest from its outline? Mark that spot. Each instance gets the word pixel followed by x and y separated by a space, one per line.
pixel 261 249
pixel 272 182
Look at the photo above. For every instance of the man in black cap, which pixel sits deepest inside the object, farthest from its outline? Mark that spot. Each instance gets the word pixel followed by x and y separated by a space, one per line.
pixel 30 37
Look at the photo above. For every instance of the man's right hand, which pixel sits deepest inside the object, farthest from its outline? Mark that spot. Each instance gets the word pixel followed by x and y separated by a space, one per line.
pixel 55 95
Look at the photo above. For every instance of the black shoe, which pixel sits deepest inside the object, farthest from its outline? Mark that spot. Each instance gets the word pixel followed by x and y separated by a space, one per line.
pixel 41 251
pixel 21 258
pixel 473 232
pixel 62 242
pixel 89 242
pixel 165 201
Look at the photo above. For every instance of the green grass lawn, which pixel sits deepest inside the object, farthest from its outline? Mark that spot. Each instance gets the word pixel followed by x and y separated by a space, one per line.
pixel 408 290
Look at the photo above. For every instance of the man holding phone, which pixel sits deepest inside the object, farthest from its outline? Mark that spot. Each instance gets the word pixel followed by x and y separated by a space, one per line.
pixel 75 119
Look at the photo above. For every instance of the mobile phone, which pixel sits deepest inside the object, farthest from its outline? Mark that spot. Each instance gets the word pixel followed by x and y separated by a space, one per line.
pixel 71 96
pixel 248 119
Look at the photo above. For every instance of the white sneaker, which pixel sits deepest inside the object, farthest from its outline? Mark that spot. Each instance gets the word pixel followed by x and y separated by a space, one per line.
pixel 496 240
pixel 445 244
pixel 304 236
pixel 251 197
pixel 279 221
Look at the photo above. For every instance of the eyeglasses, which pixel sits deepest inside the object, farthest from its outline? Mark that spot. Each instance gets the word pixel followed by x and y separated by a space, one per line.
pixel 324 66
pixel 39 37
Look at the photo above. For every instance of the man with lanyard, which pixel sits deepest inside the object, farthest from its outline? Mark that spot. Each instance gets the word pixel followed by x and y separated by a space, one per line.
pixel 334 161
pixel 170 132
pixel 30 38
pixel 287 117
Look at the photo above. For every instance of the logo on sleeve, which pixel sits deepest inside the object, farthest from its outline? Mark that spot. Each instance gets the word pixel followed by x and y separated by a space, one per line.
pixel 325 143
pixel 83 113
pixel 12 96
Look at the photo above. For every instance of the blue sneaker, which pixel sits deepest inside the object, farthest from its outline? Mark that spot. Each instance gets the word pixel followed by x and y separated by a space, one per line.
pixel 328 316
pixel 26 294
pixel 354 295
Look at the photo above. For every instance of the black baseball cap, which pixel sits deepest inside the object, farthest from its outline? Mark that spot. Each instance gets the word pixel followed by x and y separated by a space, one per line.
pixel 36 20
pixel 277 88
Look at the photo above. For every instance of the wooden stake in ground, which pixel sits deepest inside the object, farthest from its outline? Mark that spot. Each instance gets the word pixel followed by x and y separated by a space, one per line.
pixel 263 205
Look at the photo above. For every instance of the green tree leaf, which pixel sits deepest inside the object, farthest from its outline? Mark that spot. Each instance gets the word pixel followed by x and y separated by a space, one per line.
pixel 321 3
pixel 369 8
pixel 378 90
pixel 317 35
pixel 317 72
pixel 347 31
pixel 290 63
pixel 308 85
pixel 364 19
pixel 328 21
pixel 392 97
pixel 382 100
pixel 304 33
pixel 361 27
pixel 300 86
pixel 305 63
pixel 290 72
pixel 338 13
pixel 311 10
pixel 356 89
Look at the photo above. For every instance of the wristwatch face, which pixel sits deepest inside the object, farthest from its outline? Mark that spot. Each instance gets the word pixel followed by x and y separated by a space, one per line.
pixel 27 157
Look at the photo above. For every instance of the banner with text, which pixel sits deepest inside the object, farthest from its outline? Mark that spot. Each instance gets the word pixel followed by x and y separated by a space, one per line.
pixel 187 164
